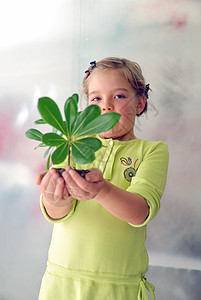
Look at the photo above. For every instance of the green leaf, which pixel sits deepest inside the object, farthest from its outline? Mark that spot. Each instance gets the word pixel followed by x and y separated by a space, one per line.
pixel 75 97
pixel 53 139
pixel 82 154
pixel 40 121
pixel 34 134
pixel 40 145
pixel 50 112
pixel 100 124
pixel 90 113
pixel 92 142
pixel 70 110
pixel 60 154
pixel 65 126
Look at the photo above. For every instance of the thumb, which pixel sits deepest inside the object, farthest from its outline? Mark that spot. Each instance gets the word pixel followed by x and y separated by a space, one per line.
pixel 38 178
pixel 95 175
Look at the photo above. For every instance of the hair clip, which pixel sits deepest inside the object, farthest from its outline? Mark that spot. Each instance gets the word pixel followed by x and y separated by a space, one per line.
pixel 147 88
pixel 87 74
pixel 93 64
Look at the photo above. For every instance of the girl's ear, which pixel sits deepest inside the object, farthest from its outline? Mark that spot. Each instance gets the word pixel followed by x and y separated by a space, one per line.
pixel 141 104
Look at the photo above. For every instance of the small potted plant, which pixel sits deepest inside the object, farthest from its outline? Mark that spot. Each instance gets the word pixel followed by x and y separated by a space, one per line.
pixel 76 135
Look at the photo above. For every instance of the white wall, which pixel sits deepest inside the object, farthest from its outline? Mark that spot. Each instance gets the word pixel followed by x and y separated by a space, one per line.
pixel 45 47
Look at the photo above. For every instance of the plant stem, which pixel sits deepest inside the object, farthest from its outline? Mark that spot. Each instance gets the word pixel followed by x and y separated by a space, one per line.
pixel 69 154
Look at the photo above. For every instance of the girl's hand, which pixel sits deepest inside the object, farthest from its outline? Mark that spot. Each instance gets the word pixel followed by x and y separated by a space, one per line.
pixel 56 198
pixel 53 188
pixel 83 188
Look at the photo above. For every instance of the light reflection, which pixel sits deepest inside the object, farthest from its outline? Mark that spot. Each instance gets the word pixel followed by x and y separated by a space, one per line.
pixel 37 94
pixel 27 21
pixel 8 171
pixel 22 116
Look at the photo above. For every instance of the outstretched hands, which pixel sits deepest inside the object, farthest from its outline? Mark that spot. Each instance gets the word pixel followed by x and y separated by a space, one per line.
pixel 58 192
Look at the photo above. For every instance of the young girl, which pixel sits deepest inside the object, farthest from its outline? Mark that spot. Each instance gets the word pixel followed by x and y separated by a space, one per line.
pixel 98 249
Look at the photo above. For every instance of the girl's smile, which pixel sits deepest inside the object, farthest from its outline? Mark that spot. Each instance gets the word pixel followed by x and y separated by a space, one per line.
pixel 111 91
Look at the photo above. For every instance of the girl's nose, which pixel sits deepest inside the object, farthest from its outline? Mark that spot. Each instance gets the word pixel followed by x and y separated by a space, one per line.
pixel 107 107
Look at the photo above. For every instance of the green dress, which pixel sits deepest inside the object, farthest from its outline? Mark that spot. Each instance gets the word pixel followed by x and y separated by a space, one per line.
pixel 94 255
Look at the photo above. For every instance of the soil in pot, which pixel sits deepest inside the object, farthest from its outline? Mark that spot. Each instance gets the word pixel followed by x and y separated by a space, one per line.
pixel 81 172
pixel 61 170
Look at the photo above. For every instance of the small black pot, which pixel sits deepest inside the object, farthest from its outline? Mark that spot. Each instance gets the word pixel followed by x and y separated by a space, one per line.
pixel 81 172
pixel 61 170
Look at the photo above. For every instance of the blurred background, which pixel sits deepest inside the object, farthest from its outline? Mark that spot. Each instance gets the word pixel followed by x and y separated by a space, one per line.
pixel 45 47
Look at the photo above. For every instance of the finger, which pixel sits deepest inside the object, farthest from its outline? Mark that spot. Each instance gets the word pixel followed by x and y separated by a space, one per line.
pixel 83 189
pixel 43 174
pixel 70 183
pixel 80 181
pixel 95 175
pixel 65 193
pixel 48 184
pixel 59 189
pixel 68 168
pixel 74 188
pixel 38 178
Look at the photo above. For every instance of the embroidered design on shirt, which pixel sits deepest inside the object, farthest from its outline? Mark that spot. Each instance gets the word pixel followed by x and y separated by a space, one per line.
pixel 131 171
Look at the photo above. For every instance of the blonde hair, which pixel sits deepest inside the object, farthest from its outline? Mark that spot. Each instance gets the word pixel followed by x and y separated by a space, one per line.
pixel 130 69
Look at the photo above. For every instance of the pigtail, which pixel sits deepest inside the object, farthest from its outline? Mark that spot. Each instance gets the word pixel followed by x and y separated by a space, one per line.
pixel 147 88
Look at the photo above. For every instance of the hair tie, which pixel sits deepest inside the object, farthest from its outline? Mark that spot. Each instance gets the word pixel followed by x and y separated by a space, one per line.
pixel 93 64
pixel 147 88
pixel 87 72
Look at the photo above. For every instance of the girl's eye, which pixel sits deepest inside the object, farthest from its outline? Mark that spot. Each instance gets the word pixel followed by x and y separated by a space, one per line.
pixel 96 99
pixel 119 96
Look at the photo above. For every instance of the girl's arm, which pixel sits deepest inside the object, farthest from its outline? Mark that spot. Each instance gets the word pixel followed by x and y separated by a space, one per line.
pixel 124 205
pixel 127 206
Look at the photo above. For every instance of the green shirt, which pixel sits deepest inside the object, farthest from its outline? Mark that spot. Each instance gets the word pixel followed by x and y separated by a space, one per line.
pixel 91 239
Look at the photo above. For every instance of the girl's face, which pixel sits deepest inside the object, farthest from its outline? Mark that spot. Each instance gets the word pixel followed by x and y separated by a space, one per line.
pixel 111 91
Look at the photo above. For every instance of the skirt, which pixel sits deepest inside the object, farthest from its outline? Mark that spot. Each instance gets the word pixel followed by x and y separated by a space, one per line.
pixel 63 284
